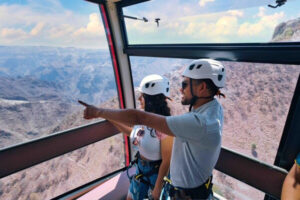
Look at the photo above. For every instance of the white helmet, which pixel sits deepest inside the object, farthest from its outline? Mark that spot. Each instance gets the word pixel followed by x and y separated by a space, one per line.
pixel 155 84
pixel 206 69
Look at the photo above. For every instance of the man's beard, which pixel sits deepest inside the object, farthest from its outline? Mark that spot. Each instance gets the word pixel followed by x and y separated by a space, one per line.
pixel 186 101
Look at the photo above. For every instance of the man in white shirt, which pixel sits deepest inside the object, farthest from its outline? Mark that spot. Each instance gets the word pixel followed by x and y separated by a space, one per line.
pixel 197 141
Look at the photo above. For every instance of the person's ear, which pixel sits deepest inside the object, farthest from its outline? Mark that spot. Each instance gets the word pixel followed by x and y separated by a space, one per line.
pixel 200 88
pixel 204 85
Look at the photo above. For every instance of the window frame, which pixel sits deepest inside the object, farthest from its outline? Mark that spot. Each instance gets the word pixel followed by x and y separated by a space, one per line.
pixel 275 53
pixel 16 157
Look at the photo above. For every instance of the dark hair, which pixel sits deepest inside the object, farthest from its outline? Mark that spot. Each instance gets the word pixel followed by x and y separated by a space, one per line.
pixel 156 104
pixel 214 90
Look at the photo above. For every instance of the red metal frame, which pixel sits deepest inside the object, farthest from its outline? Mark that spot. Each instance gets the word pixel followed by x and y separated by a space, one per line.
pixel 116 69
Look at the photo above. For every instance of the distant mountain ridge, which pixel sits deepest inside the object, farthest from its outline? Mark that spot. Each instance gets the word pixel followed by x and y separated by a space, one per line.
pixel 287 31
pixel 30 89
pixel 70 68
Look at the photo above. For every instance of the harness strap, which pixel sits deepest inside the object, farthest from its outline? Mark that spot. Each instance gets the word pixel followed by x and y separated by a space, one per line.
pixel 131 164
pixel 144 177
pixel 182 192
pixel 208 182
pixel 141 177
pixel 167 180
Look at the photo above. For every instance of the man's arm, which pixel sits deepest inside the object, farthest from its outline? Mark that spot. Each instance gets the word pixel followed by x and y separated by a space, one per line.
pixel 129 117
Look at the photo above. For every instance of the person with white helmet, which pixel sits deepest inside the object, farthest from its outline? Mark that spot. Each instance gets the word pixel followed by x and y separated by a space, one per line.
pixel 153 149
pixel 197 142
pixel 198 133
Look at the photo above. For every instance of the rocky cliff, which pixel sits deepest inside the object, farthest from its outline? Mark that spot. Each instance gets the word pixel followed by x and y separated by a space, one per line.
pixel 287 31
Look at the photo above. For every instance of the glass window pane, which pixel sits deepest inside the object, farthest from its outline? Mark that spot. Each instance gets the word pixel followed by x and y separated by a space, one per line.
pixel 258 97
pixel 212 21
pixel 57 176
pixel 256 107
pixel 52 54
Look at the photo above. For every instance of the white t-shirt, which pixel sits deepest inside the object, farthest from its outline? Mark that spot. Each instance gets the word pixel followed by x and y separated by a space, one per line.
pixel 197 144
pixel 146 141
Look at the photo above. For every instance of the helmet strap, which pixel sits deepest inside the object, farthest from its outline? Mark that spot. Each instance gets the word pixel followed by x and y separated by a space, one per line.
pixel 194 98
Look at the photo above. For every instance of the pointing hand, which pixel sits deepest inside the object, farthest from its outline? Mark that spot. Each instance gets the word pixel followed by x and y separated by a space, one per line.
pixel 90 111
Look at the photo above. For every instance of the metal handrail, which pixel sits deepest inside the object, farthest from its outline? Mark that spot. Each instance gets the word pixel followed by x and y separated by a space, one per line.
pixel 22 156
pixel 256 173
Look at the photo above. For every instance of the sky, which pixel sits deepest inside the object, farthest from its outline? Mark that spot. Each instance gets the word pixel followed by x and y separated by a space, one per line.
pixel 78 23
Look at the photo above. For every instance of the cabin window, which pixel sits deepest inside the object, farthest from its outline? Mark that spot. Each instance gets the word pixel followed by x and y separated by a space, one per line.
pixel 258 98
pixel 51 55
pixel 203 21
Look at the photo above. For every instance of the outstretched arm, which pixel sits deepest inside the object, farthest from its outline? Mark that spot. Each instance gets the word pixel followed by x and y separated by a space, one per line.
pixel 129 117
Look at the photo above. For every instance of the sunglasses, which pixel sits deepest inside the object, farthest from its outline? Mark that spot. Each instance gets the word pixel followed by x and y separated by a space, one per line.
pixel 184 85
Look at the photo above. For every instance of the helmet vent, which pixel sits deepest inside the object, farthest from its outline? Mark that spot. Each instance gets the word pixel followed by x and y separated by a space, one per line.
pixel 192 67
pixel 167 89
pixel 147 85
pixel 198 67
pixel 220 77
pixel 223 69
pixel 152 84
